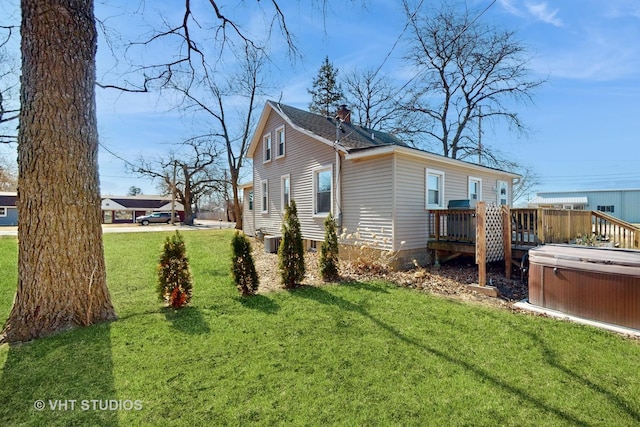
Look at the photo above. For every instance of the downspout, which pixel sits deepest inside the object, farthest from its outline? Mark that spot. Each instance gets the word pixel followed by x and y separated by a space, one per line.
pixel 338 193
pixel 338 215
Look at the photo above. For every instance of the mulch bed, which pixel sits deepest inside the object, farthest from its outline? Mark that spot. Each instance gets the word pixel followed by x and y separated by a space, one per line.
pixel 448 280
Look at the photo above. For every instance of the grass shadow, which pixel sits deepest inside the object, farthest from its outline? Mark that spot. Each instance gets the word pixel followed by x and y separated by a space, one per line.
pixel 187 319
pixel 365 287
pixel 324 297
pixel 553 359
pixel 45 382
pixel 259 302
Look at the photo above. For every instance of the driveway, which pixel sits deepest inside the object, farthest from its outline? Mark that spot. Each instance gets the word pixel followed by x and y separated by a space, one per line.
pixel 199 224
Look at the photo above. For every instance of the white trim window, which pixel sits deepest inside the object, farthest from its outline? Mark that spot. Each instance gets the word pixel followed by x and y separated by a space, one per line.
pixel 322 190
pixel 251 200
pixel 3 211
pixel 266 148
pixel 475 188
pixel 285 191
pixel 434 185
pixel 280 142
pixel 264 196
pixel 503 193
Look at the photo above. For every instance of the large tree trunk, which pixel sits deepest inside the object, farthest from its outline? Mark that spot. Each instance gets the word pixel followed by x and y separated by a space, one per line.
pixel 61 270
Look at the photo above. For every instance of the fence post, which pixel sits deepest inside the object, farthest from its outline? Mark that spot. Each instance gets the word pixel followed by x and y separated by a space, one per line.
pixel 506 240
pixel 481 243
pixel 540 232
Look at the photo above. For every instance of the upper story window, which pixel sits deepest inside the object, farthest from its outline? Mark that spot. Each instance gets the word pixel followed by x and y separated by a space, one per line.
pixel 475 188
pixel 435 189
pixel 322 190
pixel 280 141
pixel 266 148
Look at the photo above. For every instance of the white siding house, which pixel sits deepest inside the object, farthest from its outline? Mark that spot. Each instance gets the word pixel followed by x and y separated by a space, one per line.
pixel 370 181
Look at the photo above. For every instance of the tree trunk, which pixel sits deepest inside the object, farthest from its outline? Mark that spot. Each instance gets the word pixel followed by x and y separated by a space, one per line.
pixel 237 206
pixel 61 269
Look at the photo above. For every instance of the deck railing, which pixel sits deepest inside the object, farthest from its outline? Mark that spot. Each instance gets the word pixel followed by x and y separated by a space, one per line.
pixel 533 227
pixel 620 233
pixel 452 225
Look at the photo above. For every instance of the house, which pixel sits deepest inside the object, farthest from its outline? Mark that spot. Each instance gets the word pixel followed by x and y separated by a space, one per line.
pixel 8 210
pixel 623 204
pixel 370 181
pixel 125 209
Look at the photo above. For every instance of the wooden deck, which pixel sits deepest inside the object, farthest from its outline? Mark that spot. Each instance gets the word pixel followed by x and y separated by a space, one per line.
pixel 452 232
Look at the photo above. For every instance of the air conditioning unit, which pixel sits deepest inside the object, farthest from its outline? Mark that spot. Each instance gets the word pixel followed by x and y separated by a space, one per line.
pixel 271 244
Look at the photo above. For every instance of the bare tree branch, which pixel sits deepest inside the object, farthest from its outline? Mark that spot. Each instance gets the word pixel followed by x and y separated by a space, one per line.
pixel 9 83
pixel 214 98
pixel 472 70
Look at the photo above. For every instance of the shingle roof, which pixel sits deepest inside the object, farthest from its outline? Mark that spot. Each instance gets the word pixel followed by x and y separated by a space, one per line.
pixel 538 200
pixel 140 203
pixel 7 200
pixel 352 137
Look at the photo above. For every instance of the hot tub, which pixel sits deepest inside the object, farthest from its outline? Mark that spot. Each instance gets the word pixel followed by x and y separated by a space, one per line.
pixel 600 284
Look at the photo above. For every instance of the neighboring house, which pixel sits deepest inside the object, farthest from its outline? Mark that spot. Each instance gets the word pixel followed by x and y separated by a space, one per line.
pixel 115 209
pixel 371 181
pixel 125 209
pixel 622 204
pixel 8 210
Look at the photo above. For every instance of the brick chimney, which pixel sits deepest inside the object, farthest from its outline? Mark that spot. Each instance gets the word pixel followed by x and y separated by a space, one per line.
pixel 344 114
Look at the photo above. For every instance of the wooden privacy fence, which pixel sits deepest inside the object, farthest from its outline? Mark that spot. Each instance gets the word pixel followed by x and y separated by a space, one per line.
pixel 533 227
pixel 493 232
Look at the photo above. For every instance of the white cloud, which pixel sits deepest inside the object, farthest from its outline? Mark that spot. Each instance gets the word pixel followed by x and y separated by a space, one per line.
pixel 541 11
pixel 509 7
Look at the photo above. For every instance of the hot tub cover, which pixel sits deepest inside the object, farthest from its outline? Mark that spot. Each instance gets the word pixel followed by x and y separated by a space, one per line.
pixel 585 258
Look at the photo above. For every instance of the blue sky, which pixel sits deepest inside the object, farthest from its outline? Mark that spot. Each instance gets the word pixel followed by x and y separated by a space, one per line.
pixel 584 130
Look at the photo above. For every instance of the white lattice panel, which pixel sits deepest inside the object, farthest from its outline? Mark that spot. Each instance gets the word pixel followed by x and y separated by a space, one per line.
pixel 495 248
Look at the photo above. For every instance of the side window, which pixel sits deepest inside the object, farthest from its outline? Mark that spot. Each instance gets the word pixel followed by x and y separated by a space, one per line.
pixel 322 190
pixel 264 187
pixel 434 189
pixel 285 190
pixel 251 200
pixel 266 148
pixel 280 141
pixel 503 193
pixel 3 211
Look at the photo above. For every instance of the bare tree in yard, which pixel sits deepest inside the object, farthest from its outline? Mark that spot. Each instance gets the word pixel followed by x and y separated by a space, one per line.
pixel 9 82
pixel 8 176
pixel 374 100
pixel 230 102
pixel 61 270
pixel 467 72
pixel 196 173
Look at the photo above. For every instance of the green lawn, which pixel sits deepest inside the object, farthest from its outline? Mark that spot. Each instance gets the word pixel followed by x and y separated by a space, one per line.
pixel 355 354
